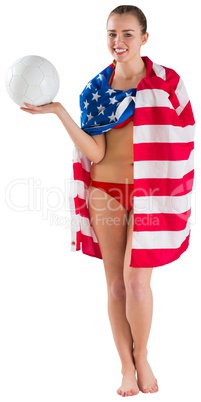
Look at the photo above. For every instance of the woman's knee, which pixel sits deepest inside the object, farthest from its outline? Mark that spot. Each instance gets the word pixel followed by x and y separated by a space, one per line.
pixel 137 286
pixel 117 289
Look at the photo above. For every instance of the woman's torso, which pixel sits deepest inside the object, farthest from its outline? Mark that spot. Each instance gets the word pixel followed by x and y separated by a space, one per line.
pixel 117 165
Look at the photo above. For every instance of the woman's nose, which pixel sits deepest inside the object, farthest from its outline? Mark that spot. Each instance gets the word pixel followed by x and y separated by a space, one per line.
pixel 119 39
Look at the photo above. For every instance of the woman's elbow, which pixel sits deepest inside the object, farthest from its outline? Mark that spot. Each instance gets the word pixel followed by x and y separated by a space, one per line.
pixel 98 157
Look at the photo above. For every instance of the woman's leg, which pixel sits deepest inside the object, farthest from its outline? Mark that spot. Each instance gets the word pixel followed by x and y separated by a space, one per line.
pixel 139 309
pixel 110 225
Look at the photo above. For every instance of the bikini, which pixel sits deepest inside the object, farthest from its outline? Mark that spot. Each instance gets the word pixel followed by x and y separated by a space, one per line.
pixel 123 193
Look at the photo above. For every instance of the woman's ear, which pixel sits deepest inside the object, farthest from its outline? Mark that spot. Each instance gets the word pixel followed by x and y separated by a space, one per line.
pixel 145 38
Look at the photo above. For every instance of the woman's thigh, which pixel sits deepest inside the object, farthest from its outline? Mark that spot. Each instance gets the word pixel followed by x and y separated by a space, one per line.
pixel 134 276
pixel 109 221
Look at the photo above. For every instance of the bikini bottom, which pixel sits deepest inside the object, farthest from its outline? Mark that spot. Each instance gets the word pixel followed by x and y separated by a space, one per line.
pixel 123 193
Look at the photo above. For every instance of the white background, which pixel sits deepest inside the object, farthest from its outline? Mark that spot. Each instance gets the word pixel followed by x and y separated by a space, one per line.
pixel 55 339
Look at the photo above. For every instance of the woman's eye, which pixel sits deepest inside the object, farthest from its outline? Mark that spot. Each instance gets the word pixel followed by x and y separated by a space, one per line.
pixel 113 35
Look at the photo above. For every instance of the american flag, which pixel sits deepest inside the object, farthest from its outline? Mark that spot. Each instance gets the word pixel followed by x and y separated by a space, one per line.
pixel 163 144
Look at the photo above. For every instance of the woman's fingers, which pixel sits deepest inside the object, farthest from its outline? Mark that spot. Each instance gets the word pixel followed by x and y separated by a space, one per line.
pixel 49 108
pixel 31 108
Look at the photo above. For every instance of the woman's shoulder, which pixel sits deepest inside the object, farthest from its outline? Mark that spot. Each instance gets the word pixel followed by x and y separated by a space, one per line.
pixel 167 75
pixel 166 72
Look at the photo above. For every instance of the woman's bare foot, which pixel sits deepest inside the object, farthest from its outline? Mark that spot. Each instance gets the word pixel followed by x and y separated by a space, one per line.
pixel 145 377
pixel 129 385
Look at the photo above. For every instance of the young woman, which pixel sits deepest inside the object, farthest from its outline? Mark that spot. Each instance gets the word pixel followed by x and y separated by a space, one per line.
pixel 133 173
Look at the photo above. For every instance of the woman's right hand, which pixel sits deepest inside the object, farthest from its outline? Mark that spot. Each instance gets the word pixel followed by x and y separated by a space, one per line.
pixel 52 107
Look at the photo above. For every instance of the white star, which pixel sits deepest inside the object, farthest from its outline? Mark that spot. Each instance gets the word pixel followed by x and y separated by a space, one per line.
pixel 101 109
pixel 112 117
pixel 86 104
pixel 88 85
pixel 96 96
pixel 110 91
pixel 113 100
pixel 89 116
pixel 100 77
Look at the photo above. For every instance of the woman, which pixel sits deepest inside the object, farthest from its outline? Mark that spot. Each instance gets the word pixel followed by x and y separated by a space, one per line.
pixel 136 143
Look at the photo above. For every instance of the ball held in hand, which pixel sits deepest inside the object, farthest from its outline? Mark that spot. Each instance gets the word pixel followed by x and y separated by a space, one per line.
pixel 32 79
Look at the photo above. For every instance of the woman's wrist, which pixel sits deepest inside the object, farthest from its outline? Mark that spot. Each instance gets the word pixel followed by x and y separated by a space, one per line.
pixel 57 108
pixel 61 112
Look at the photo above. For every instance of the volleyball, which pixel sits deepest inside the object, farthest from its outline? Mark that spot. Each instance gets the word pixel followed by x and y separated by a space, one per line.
pixel 32 79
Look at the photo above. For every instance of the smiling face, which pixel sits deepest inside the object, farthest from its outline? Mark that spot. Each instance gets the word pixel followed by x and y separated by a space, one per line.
pixel 124 37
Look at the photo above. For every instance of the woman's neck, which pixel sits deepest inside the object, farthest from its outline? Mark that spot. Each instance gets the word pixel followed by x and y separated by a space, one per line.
pixel 128 75
pixel 130 71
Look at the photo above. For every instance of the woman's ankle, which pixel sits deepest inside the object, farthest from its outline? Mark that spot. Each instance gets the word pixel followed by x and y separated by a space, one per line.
pixel 127 368
pixel 140 354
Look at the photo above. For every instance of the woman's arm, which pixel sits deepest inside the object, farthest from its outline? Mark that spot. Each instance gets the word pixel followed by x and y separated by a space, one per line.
pixel 92 147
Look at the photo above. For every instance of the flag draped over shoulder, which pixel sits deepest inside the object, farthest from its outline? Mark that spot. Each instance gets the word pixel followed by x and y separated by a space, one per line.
pixel 163 141
pixel 104 108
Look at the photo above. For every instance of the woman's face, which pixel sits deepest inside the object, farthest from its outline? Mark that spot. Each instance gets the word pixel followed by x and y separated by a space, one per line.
pixel 124 37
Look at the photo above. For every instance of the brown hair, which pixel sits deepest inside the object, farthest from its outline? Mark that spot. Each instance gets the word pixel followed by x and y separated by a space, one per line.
pixel 133 10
